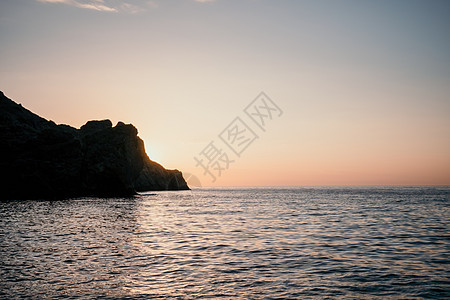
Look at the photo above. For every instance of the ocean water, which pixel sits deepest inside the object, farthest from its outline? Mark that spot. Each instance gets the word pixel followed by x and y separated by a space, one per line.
pixel 231 243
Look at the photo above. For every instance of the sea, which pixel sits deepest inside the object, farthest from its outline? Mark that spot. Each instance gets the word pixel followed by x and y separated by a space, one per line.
pixel 231 243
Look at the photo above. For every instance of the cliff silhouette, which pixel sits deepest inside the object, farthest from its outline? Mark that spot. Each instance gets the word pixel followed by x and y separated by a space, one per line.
pixel 42 160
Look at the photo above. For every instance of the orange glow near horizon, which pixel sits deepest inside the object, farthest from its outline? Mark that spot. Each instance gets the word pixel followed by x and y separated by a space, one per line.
pixel 365 91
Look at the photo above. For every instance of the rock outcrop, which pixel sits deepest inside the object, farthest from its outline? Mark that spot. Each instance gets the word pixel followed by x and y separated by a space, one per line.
pixel 42 160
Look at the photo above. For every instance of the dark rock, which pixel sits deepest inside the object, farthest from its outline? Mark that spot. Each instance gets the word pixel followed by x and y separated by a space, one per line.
pixel 39 159
pixel 92 126
pixel 154 177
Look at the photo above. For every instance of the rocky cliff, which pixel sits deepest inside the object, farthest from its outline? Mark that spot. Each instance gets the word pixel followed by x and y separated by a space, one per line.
pixel 42 160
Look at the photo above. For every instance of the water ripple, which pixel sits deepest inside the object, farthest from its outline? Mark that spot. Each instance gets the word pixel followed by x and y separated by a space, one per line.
pixel 246 243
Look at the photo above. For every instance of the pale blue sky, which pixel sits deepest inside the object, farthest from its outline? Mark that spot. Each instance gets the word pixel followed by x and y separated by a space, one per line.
pixel 365 85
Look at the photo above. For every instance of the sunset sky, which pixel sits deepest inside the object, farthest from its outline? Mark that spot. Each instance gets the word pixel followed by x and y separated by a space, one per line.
pixel 362 87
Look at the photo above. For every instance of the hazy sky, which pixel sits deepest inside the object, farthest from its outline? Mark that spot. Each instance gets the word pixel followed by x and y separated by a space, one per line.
pixel 364 86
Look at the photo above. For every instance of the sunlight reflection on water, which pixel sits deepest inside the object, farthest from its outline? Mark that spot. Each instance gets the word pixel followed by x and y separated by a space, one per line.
pixel 230 243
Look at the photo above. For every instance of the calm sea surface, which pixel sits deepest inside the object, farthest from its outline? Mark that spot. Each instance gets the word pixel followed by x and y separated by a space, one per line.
pixel 231 243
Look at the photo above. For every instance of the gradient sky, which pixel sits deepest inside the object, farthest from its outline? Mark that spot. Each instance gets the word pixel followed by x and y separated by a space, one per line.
pixel 364 85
